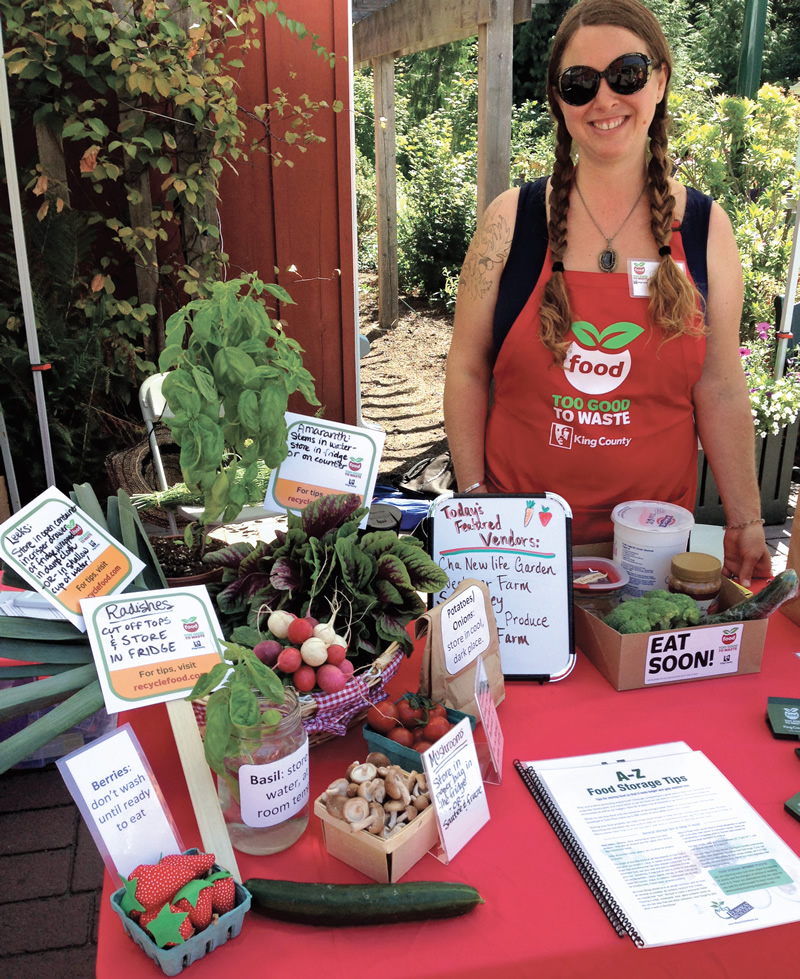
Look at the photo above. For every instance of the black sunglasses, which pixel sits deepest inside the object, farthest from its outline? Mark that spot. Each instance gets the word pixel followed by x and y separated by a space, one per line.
pixel 625 75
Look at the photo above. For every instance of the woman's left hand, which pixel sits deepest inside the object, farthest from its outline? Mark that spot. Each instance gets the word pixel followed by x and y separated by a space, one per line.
pixel 746 555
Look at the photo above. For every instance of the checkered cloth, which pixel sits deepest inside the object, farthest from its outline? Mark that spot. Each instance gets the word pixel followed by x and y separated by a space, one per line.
pixel 336 710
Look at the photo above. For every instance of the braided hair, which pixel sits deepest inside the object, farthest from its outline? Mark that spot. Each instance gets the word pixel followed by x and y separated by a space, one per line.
pixel 674 302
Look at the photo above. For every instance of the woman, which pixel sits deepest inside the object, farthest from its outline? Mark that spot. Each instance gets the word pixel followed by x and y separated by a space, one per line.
pixel 600 390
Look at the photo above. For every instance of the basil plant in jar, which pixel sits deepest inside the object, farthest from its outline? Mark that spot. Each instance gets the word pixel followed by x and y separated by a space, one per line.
pixel 256 744
pixel 232 369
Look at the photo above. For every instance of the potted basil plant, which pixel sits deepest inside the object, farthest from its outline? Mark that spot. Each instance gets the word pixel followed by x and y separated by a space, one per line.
pixel 232 369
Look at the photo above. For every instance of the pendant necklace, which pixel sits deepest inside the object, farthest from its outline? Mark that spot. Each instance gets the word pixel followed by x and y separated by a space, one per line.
pixel 607 259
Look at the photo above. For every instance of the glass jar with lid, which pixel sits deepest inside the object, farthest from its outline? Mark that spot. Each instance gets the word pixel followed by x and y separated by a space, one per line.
pixel 264 791
pixel 697 575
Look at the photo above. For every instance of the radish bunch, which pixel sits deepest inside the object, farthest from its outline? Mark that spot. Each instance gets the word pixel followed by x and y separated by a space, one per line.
pixel 310 652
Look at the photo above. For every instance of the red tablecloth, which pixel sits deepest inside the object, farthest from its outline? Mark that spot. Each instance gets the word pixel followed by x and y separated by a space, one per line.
pixel 539 918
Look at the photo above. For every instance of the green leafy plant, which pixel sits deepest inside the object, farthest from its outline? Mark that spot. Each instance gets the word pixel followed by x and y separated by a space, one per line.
pixel 233 687
pixel 743 154
pixel 322 565
pixel 231 372
pixel 775 401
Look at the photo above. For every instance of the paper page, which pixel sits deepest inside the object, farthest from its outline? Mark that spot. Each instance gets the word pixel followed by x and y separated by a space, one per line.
pixel 683 853
pixel 610 757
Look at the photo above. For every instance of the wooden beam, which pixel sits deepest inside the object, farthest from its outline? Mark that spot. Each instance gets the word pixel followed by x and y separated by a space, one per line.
pixel 495 50
pixel 385 165
pixel 407 26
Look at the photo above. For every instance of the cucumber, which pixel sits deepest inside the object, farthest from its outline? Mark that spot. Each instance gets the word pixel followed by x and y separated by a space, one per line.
pixel 783 587
pixel 360 904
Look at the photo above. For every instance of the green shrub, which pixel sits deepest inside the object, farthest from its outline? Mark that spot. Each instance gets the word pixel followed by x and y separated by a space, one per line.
pixel 742 153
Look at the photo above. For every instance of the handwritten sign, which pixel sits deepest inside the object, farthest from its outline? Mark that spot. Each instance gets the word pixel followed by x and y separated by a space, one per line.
pixel 64 554
pixel 117 795
pixel 150 647
pixel 520 547
pixel 457 793
pixel 465 629
pixel 324 457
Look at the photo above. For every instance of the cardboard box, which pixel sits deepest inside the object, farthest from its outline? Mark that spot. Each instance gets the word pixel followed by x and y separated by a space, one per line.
pixel 622 658
pixel 385 861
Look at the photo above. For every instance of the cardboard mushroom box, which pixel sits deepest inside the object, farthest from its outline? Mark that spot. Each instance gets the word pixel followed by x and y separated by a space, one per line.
pixel 378 818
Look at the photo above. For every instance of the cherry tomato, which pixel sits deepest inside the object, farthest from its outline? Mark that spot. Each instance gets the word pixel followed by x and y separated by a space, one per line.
pixel 422 745
pixel 382 717
pixel 409 716
pixel 438 710
pixel 402 736
pixel 436 728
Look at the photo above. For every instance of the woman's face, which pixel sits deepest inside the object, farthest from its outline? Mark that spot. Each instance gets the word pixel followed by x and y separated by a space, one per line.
pixel 611 126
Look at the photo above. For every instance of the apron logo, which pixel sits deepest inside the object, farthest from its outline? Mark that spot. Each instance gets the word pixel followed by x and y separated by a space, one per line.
pixel 598 363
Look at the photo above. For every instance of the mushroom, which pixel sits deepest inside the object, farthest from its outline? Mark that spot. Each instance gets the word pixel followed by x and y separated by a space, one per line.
pixel 392 808
pixel 362 773
pixel 378 759
pixel 411 813
pixel 337 787
pixel 420 802
pixel 396 786
pixel 352 789
pixel 355 810
pixel 373 791
pixel 350 767
pixel 335 805
pixel 378 819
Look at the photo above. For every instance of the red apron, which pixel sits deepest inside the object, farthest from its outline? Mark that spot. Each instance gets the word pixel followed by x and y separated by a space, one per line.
pixel 616 423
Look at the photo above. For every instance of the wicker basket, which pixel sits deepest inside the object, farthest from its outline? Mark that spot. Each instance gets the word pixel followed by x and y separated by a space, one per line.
pixel 330 715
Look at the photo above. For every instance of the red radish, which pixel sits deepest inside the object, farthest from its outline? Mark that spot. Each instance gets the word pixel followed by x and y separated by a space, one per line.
pixel 278 623
pixel 268 651
pixel 346 667
pixel 330 678
pixel 336 654
pixel 304 678
pixel 299 630
pixel 289 659
pixel 314 651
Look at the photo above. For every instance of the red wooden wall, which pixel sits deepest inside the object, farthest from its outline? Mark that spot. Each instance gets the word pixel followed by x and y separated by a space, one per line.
pixel 301 216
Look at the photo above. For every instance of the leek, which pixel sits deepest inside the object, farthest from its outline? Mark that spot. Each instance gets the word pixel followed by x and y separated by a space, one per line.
pixel 60 719
pixel 27 697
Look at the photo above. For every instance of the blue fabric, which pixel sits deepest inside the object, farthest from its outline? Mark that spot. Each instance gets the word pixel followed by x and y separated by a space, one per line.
pixel 413 510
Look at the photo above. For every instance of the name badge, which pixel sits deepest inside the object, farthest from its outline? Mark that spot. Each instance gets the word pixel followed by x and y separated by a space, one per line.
pixel 640 271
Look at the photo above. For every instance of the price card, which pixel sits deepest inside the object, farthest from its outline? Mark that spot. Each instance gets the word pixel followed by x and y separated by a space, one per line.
pixel 324 457
pixel 491 758
pixel 64 554
pixel 118 796
pixel 150 647
pixel 454 779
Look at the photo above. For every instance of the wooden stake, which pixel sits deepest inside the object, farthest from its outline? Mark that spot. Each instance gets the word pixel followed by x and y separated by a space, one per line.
pixel 202 790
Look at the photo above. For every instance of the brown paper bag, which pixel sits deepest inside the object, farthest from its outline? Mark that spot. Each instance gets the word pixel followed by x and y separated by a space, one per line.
pixel 457 690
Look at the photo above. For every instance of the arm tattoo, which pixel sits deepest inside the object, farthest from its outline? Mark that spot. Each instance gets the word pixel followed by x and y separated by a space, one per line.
pixel 489 249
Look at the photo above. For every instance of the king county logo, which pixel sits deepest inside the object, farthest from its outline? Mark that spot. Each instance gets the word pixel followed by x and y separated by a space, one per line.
pixel 598 363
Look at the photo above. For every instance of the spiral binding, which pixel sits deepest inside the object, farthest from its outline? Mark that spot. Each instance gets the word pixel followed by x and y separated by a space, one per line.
pixel 619 921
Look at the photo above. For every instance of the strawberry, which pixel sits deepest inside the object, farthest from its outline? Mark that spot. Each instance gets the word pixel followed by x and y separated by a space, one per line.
pixel 155 884
pixel 223 895
pixel 167 926
pixel 195 899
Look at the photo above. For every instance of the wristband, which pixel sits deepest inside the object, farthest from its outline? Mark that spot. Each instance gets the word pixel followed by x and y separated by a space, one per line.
pixel 747 523
pixel 473 487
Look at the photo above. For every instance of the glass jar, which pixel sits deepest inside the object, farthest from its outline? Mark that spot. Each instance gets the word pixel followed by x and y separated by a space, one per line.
pixel 264 794
pixel 697 575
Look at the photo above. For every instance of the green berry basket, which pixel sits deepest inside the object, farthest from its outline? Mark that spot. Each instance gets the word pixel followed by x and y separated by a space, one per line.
pixel 173 960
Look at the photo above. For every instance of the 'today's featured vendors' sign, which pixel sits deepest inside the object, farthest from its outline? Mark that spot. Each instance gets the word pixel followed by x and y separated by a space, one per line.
pixel 64 554
pixel 151 647
pixel 324 457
